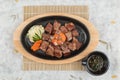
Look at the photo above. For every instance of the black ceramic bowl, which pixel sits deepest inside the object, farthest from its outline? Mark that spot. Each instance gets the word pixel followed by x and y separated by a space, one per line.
pixel 84 35
pixel 104 67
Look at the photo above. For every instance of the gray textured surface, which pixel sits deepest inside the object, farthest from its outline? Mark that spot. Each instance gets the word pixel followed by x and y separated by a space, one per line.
pixel 104 14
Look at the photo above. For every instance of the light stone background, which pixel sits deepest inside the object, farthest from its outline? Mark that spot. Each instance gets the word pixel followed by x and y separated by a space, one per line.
pixel 104 14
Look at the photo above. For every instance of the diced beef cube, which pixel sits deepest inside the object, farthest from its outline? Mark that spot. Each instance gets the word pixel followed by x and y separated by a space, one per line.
pixel 50 50
pixel 58 32
pixel 75 33
pixel 63 29
pixel 51 46
pixel 58 53
pixel 49 28
pixel 51 37
pixel 79 44
pixel 70 26
pixel 44 46
pixel 72 46
pixel 56 25
pixel 56 47
pixel 69 36
pixel 75 39
pixel 66 55
pixel 67 43
pixel 53 32
pixel 45 36
pixel 66 52
pixel 49 40
pixel 64 46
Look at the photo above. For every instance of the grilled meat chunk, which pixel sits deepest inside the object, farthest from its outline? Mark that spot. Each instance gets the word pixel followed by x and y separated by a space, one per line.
pixel 50 50
pixel 72 46
pixel 75 33
pixel 44 46
pixel 79 44
pixel 58 53
pixel 66 52
pixel 45 36
pixel 69 36
pixel 70 26
pixel 56 25
pixel 49 28
pixel 64 46
pixel 63 29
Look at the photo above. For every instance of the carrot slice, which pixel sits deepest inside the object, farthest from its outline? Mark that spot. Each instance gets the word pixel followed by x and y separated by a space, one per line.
pixel 36 45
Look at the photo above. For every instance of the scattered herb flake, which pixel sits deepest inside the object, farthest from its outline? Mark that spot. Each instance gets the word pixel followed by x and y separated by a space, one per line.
pixel 114 76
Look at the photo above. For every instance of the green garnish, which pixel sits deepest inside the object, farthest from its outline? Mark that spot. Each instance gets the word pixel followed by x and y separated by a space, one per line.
pixel 35 33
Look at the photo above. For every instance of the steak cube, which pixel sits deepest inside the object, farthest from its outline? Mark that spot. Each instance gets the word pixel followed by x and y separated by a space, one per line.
pixel 64 46
pixel 56 47
pixel 70 26
pixel 69 36
pixel 49 28
pixel 44 46
pixel 72 46
pixel 79 44
pixel 66 55
pixel 45 36
pixel 50 50
pixel 53 32
pixel 75 33
pixel 58 53
pixel 66 52
pixel 63 29
pixel 56 25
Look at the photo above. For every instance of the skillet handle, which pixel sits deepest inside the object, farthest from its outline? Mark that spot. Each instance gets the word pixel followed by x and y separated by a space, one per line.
pixel 84 62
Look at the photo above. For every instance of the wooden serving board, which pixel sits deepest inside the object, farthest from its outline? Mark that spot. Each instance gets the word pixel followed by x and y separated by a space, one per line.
pixel 30 11
pixel 90 47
